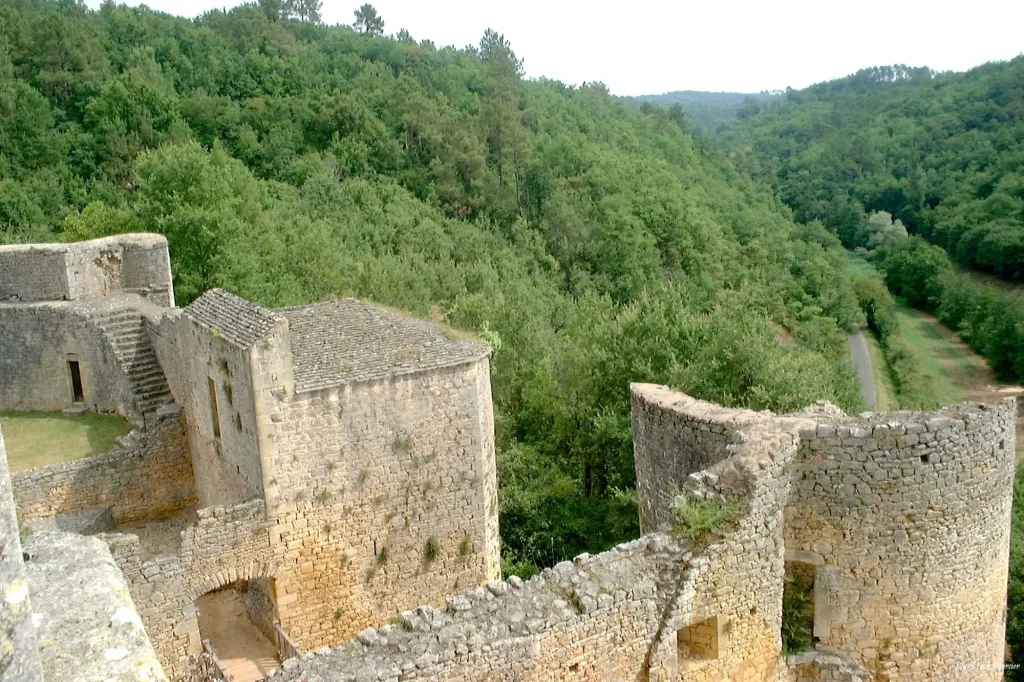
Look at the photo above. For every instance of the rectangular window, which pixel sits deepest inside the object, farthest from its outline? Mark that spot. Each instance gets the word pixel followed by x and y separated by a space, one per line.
pixel 698 643
pixel 214 412
pixel 77 394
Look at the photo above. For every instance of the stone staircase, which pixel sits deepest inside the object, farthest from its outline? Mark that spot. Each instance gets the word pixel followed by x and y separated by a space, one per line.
pixel 126 332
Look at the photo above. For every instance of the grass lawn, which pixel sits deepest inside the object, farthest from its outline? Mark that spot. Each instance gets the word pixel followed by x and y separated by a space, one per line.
pixel 34 439
pixel 954 367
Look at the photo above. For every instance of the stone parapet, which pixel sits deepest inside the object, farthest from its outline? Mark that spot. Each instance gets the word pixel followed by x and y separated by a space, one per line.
pixel 89 630
pixel 149 477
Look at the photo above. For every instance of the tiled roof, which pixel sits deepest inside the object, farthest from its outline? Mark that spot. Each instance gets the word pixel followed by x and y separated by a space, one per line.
pixel 347 340
pixel 232 317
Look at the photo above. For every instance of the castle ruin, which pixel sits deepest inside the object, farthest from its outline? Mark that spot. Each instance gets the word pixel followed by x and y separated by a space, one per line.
pixel 337 461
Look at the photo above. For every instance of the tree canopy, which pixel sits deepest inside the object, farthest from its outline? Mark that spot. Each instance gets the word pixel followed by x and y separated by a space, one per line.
pixel 590 242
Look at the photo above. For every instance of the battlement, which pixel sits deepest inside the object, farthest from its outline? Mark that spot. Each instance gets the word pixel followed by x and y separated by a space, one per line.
pixel 137 263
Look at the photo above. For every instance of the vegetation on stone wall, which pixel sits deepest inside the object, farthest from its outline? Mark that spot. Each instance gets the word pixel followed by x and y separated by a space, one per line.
pixel 592 243
pixel 700 519
pixel 798 611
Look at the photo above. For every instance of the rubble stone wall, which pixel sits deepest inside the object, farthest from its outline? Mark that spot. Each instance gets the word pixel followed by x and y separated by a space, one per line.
pixel 36 343
pixel 63 272
pixel 380 501
pixel 624 613
pixel 88 626
pixel 224 545
pixel 148 478
pixel 905 517
pixel 226 460
pixel 19 658
pixel 669 445
pixel 908 517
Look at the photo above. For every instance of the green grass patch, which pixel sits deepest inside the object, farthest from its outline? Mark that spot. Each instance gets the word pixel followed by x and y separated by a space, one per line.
pixel 701 519
pixel 856 265
pixel 35 439
pixel 940 359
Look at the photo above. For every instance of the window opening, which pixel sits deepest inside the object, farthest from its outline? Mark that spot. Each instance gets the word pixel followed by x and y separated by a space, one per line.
pixel 77 394
pixel 214 411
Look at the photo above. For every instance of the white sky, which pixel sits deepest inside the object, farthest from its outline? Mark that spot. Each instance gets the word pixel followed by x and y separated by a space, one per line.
pixel 645 46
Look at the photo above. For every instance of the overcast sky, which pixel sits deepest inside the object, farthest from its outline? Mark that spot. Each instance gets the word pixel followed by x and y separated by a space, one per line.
pixel 643 46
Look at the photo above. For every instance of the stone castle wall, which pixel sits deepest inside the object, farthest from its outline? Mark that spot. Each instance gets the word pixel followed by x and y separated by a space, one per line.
pixel 87 624
pixel 19 658
pixel 148 478
pixel 380 499
pixel 908 516
pixel 36 343
pixel 735 596
pixel 905 516
pixel 64 272
pixel 631 613
pixel 224 545
pixel 591 619
pixel 226 461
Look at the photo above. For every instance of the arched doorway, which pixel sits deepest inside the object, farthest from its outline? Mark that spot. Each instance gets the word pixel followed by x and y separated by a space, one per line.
pixel 236 624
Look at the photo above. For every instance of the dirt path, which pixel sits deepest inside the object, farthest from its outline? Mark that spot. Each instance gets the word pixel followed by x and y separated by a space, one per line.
pixel 862 361
pixel 967 371
pixel 244 651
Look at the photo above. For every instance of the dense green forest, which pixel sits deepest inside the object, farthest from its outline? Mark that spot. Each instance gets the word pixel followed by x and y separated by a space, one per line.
pixel 941 152
pixel 705 112
pixel 591 243
pixel 898 161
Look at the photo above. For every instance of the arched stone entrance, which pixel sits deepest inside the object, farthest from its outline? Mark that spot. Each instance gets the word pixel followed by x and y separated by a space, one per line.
pixel 236 624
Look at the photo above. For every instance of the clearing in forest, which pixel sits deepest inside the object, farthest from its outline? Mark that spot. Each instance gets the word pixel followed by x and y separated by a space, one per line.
pixel 957 371
pixel 35 439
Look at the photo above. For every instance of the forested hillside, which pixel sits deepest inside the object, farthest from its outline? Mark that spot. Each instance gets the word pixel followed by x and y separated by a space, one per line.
pixel 898 161
pixel 941 152
pixel 706 111
pixel 592 244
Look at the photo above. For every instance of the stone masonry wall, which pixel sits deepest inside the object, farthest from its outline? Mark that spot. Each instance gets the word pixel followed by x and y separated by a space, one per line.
pixel 227 466
pixel 591 619
pixel 224 545
pixel 30 273
pixel 621 614
pixel 905 515
pixel 58 272
pixel 19 659
pixel 668 446
pixel 36 343
pixel 379 499
pixel 89 630
pixel 148 478
pixel 737 582
pixel 908 516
